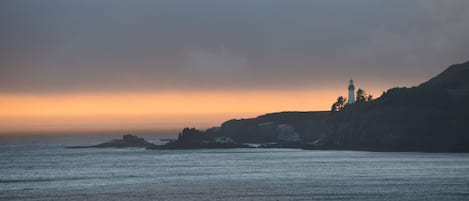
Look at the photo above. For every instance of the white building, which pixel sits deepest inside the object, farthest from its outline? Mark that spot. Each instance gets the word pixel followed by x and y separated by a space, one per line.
pixel 351 93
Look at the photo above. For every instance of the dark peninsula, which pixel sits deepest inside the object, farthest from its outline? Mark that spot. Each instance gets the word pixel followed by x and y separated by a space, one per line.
pixel 432 117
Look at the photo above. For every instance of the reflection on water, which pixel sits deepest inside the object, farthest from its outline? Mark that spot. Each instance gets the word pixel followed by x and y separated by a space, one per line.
pixel 54 173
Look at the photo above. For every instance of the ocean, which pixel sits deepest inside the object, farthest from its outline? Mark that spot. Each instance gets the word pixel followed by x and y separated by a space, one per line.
pixel 50 172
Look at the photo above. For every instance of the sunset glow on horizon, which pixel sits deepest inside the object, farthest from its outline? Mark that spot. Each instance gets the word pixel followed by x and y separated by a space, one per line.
pixel 81 65
pixel 164 110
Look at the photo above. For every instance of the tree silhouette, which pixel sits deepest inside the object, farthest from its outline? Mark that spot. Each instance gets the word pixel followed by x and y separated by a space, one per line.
pixel 335 107
pixel 361 96
pixel 339 104
pixel 341 101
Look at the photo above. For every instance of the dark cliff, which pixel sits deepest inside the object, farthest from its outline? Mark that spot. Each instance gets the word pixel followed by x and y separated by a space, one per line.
pixel 431 117
pixel 277 127
pixel 191 138
pixel 283 129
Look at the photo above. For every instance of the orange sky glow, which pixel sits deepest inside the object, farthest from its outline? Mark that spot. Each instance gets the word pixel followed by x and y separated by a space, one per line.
pixel 164 65
pixel 164 110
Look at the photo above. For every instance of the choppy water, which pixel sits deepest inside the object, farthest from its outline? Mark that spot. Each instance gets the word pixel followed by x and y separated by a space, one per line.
pixel 54 173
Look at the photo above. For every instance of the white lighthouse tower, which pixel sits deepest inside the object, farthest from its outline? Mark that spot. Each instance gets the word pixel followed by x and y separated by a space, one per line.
pixel 351 93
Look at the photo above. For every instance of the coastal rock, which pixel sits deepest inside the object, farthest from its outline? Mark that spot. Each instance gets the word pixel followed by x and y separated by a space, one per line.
pixel 191 138
pixel 224 140
pixel 128 140
pixel 286 133
pixel 308 126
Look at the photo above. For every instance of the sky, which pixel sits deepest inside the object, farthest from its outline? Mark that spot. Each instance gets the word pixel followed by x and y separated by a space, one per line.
pixel 129 65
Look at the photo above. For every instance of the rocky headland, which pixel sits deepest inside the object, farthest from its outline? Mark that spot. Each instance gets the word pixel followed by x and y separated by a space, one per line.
pixel 128 140
pixel 431 117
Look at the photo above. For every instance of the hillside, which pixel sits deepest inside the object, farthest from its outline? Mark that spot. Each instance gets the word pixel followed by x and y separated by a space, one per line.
pixel 283 129
pixel 431 117
pixel 277 127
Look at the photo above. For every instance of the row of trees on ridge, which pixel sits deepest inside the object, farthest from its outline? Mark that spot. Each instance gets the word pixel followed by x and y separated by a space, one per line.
pixel 341 102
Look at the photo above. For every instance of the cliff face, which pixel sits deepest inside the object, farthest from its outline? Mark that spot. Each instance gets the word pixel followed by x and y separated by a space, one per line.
pixel 277 127
pixel 431 117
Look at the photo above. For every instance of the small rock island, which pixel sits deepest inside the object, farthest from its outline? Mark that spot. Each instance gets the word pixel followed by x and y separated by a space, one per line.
pixel 128 140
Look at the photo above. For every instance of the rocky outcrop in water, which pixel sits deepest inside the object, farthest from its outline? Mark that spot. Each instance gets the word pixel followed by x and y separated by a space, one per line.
pixel 191 138
pixel 128 140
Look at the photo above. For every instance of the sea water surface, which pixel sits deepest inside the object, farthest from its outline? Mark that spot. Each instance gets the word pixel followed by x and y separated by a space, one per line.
pixel 50 172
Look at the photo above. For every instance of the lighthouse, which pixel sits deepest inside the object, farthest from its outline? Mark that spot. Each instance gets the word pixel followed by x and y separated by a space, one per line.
pixel 351 92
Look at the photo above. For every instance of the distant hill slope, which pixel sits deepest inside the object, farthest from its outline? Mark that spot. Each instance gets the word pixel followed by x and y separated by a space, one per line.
pixel 431 117
pixel 453 78
pixel 277 127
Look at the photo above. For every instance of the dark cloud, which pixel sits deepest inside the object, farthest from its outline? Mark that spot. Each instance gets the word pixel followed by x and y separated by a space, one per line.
pixel 70 46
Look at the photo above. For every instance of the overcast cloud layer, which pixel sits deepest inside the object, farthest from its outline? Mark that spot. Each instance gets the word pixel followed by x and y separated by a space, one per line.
pixel 87 46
